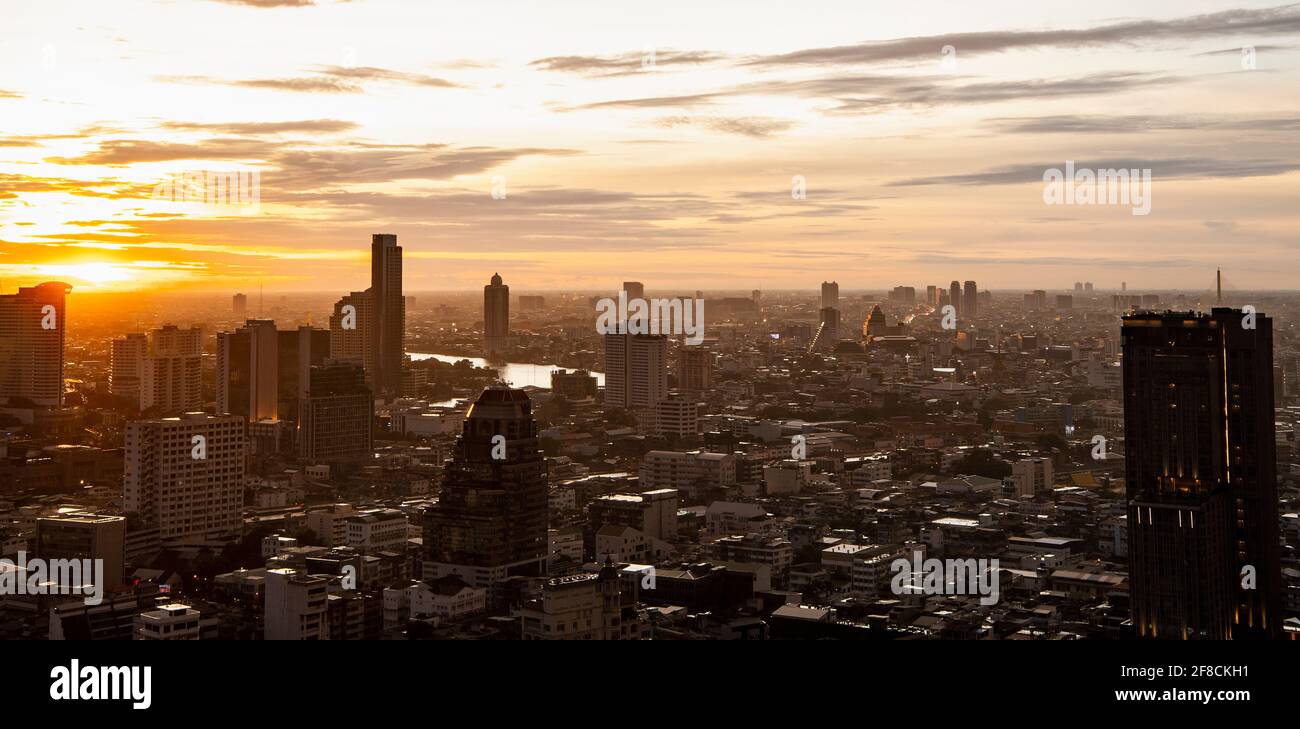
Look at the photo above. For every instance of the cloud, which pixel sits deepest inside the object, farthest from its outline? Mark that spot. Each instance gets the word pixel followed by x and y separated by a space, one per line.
pixel 1084 124
pixel 330 80
pixel 1278 20
pixel 10 94
pixel 320 126
pixel 749 126
pixel 133 151
pixel 871 94
pixel 625 64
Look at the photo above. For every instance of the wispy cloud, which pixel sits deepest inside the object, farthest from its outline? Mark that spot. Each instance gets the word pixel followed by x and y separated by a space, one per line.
pixel 749 126
pixel 1280 20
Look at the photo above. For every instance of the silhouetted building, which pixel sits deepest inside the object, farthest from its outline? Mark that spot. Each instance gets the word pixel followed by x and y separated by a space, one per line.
pixel 1201 474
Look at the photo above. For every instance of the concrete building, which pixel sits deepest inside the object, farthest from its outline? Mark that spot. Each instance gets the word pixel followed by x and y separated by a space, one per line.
pixel 185 475
pixel 295 606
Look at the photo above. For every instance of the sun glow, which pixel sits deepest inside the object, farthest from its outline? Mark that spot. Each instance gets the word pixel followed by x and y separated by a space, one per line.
pixel 95 274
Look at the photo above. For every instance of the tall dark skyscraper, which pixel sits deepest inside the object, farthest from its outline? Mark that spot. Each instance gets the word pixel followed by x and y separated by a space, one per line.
pixel 496 317
pixel 970 302
pixel 954 298
pixel 1204 560
pixel 387 314
pixel 491 517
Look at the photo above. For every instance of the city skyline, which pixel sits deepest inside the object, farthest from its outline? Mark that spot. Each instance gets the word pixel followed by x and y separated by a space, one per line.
pixel 770 149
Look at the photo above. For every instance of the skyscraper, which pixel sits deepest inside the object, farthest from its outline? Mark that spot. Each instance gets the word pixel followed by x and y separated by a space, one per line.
pixel 32 331
pixel 636 370
pixel 830 295
pixel 496 317
pixel 491 517
pixel 185 475
pixel 388 314
pixel 1201 474
pixel 954 298
pixel 970 303
pixel 239 304
pixel 335 415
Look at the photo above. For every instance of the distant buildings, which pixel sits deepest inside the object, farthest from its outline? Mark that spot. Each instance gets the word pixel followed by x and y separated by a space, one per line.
pixel 32 333
pixel 239 305
pixel 1201 475
pixel 496 318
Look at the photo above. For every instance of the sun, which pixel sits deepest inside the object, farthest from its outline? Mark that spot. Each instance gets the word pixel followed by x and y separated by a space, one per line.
pixel 95 274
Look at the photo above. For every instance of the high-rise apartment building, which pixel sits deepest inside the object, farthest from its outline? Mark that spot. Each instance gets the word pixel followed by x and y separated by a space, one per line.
pixel 970 302
pixel 955 298
pixel 496 318
pixel 1201 474
pixel 239 305
pixel 171 371
pixel 126 365
pixel 636 370
pixel 491 517
pixel 634 290
pixel 32 331
pixel 185 475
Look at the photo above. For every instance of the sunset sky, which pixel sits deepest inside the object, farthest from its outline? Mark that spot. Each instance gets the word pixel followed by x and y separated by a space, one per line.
pixel 652 140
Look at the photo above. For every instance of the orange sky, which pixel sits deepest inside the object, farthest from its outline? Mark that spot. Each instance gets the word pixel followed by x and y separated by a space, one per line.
pixel 650 141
